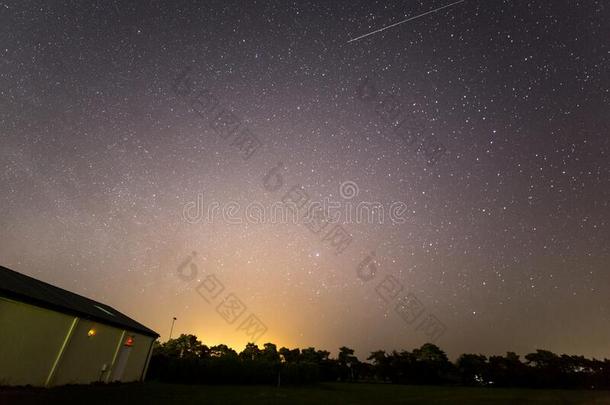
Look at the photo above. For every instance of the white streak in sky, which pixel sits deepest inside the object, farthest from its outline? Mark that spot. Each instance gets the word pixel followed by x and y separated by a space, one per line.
pixel 404 21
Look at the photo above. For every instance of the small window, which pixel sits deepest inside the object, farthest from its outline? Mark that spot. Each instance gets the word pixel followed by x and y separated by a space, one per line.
pixel 105 310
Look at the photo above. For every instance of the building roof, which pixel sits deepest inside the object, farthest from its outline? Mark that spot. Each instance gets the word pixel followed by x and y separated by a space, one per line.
pixel 23 288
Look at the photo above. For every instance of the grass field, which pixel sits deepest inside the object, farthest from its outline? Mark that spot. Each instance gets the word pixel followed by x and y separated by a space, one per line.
pixel 156 393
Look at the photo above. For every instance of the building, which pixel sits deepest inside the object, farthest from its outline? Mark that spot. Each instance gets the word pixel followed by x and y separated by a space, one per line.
pixel 50 336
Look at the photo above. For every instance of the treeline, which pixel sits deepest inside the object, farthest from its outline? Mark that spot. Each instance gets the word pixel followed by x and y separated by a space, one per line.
pixel 186 360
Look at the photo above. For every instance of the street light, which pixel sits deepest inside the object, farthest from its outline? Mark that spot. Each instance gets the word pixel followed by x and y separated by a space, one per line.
pixel 172 328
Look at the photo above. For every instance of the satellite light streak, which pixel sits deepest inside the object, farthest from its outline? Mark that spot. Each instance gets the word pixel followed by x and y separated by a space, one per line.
pixel 404 21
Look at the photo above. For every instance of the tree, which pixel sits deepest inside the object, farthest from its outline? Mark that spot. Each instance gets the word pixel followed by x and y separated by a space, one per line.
pixel 473 369
pixel 184 346
pixel 347 363
pixel 381 364
pixel 378 357
pixel 309 355
pixel 187 360
pixel 542 359
pixel 251 352
pixel 547 367
pixel 289 356
pixel 323 355
pixel 346 356
pixel 270 353
pixel 431 364
pixel 402 367
pixel 429 352
pixel 222 351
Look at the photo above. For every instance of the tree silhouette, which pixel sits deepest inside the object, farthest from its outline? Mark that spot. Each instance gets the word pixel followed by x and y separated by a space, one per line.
pixel 270 353
pixel 473 369
pixel 250 352
pixel 347 363
pixel 186 359
pixel 290 356
pixel 187 346
pixel 381 364
pixel 222 351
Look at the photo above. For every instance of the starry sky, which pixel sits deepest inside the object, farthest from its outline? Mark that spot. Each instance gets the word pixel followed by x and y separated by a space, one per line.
pixel 487 120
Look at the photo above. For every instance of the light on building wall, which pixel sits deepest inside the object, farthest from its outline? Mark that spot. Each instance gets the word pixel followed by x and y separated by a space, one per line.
pixel 129 341
pixel 92 332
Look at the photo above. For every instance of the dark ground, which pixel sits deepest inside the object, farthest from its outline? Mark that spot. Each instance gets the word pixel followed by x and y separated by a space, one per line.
pixel 336 393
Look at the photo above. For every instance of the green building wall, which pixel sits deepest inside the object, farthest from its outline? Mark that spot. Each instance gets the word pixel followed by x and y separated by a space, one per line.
pixel 32 338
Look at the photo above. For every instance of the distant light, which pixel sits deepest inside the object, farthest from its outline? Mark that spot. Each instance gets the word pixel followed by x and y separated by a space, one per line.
pixel 92 332
pixel 129 341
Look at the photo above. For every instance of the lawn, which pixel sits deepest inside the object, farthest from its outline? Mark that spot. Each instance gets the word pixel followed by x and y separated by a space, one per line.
pixel 156 393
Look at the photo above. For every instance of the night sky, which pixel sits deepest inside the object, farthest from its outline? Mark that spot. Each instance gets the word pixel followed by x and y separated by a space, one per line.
pixel 485 122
